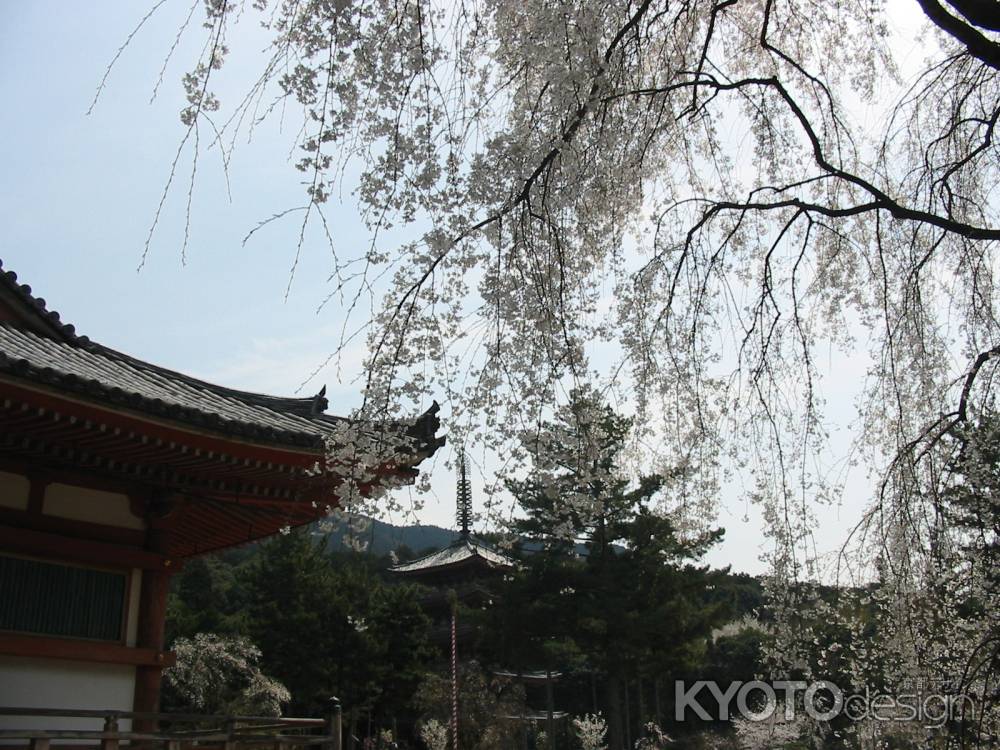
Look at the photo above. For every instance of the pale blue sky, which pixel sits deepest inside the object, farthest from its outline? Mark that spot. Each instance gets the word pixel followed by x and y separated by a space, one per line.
pixel 79 193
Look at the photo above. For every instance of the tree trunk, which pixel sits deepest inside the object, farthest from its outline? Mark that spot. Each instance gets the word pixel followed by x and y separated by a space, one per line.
pixel 550 707
pixel 642 703
pixel 352 731
pixel 614 707
pixel 656 702
pixel 628 718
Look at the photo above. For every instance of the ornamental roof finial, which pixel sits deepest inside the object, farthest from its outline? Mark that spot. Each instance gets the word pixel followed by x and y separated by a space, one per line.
pixel 463 498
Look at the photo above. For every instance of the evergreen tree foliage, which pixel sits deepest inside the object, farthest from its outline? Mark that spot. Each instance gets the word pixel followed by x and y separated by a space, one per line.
pixel 205 599
pixel 325 625
pixel 634 608
pixel 484 704
pixel 621 610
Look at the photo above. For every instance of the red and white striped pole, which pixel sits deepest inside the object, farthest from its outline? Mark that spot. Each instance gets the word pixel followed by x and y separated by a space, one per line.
pixel 454 675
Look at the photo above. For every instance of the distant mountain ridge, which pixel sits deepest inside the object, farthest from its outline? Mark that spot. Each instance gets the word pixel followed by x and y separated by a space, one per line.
pixel 381 538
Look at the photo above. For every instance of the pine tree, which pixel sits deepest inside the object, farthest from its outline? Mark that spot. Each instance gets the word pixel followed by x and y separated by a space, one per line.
pixel 631 608
pixel 291 603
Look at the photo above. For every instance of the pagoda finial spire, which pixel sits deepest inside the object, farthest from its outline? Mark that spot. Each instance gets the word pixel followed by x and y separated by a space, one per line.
pixel 463 498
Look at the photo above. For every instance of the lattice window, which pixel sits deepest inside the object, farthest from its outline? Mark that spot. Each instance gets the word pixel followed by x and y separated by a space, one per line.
pixel 47 598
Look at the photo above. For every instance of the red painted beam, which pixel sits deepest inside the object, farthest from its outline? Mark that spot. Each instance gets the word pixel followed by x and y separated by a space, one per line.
pixel 48 545
pixel 158 427
pixel 71 527
pixel 44 647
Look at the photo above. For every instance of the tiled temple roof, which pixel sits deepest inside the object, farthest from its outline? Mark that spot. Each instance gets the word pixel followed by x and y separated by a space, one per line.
pixel 39 317
pixel 38 347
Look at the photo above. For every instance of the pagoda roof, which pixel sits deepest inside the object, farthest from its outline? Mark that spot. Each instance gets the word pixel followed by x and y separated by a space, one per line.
pixel 531 715
pixel 463 554
pixel 249 464
pixel 530 677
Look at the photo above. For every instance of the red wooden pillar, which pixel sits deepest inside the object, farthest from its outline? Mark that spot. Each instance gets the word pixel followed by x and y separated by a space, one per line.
pixel 152 618
pixel 152 622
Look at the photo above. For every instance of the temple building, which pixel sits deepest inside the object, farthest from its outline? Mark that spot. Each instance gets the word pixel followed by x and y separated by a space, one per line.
pixel 113 472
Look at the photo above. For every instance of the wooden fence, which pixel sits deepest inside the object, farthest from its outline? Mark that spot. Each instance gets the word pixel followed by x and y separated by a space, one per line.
pixel 175 731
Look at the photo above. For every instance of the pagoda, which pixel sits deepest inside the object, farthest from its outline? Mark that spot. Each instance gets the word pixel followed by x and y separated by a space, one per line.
pixel 458 572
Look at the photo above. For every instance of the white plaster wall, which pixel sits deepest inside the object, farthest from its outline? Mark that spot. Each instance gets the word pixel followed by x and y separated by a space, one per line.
pixel 95 506
pixel 56 683
pixel 14 491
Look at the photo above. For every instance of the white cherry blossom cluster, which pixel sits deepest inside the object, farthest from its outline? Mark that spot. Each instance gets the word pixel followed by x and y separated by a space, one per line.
pixel 365 462
pixel 590 730
pixel 221 674
pixel 434 735
pixel 710 212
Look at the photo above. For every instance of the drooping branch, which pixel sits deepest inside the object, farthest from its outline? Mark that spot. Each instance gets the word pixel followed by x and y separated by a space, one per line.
pixel 970 380
pixel 978 45
pixel 686 186
pixel 982 13
pixel 881 200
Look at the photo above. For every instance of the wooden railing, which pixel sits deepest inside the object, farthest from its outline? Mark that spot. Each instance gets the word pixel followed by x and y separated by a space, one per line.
pixel 221 732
